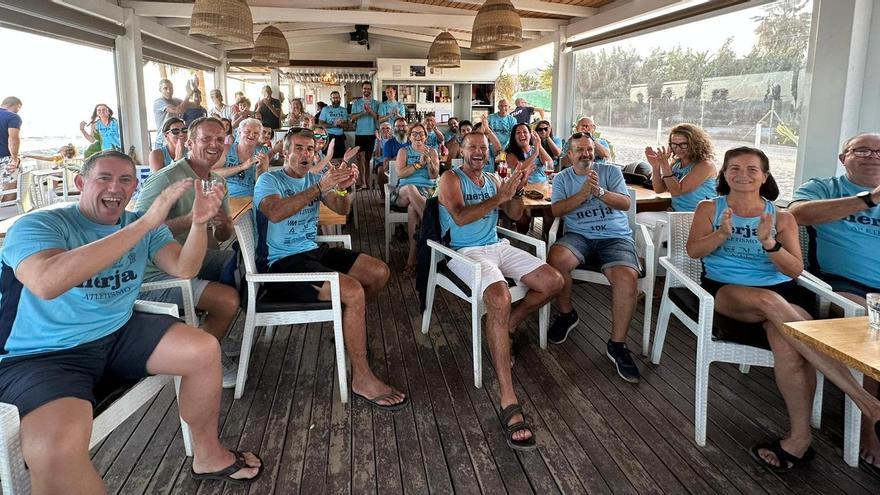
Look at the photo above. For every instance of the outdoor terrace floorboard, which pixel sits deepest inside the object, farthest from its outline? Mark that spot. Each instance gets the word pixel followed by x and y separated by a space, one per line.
pixel 597 433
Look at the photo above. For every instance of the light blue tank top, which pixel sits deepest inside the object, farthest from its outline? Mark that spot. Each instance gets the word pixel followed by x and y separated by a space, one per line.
pixel 420 177
pixel 166 156
pixel 538 176
pixel 689 201
pixel 110 139
pixel 741 260
pixel 242 183
pixel 481 232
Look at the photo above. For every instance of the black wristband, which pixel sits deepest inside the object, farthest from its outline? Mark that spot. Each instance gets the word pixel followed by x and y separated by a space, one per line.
pixel 519 193
pixel 318 185
pixel 866 197
pixel 776 247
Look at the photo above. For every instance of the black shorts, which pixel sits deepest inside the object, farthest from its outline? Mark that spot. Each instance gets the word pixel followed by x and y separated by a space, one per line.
pixel 366 143
pixel 29 382
pixel 323 259
pixel 790 291
pixel 848 285
pixel 338 145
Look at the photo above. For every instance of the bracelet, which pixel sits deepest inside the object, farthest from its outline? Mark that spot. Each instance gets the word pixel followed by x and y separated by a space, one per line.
pixel 519 193
pixel 667 176
pixel 318 185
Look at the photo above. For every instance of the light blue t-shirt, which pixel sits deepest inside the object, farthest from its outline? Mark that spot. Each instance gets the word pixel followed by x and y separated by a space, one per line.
pixel 110 138
pixel 844 246
pixel 502 127
pixel 295 234
pixel 482 232
pixel 420 177
pixel 366 125
pixel 448 136
pixel 393 108
pixel 242 183
pixel 689 201
pixel 329 115
pixel 92 310
pixel 538 175
pixel 431 140
pixel 593 219
pixel 741 260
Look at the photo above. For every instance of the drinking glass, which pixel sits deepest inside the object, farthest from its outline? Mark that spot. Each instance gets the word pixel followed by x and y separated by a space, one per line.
pixel 208 186
pixel 873 300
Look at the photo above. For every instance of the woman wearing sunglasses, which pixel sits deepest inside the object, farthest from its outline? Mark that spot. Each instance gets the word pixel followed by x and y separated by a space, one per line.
pixel 174 147
pixel 525 151
pixel 550 143
pixel 686 169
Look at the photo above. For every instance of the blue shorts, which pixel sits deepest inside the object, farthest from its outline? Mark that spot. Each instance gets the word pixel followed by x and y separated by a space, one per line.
pixel 29 382
pixel 848 285
pixel 601 254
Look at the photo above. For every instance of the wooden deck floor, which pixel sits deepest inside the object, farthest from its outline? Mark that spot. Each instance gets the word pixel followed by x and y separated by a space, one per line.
pixel 597 433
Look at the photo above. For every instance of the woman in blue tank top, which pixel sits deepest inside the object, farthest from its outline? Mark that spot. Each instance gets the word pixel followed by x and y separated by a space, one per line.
pixel 751 254
pixel 525 150
pixel 685 169
pixel 104 125
pixel 245 160
pixel 174 147
pixel 418 167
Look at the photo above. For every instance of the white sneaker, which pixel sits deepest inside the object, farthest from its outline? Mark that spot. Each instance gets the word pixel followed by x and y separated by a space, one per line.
pixel 230 371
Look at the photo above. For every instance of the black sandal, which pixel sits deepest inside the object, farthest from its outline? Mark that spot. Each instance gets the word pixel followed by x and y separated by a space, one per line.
pixel 787 461
pixel 226 473
pixel 524 445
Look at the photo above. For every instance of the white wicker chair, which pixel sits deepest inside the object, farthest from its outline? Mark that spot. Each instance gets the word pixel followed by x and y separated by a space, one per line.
pixel 14 476
pixel 270 314
pixel 465 289
pixel 185 286
pixel 393 214
pixel 645 248
pixel 683 272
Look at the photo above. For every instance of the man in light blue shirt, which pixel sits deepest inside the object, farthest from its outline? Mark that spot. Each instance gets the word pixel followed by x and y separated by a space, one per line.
pixel 469 202
pixel 592 199
pixel 71 276
pixel 843 218
pixel 332 118
pixel 391 109
pixel 365 118
pixel 287 203
pixel 502 123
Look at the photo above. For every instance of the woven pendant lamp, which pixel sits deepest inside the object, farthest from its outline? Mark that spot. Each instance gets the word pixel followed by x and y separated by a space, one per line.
pixel 224 20
pixel 497 26
pixel 271 47
pixel 444 52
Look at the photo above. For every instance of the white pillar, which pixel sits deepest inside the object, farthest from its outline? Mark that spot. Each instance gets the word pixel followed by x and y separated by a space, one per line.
pixel 840 82
pixel 220 79
pixel 130 86
pixel 562 99
pixel 275 82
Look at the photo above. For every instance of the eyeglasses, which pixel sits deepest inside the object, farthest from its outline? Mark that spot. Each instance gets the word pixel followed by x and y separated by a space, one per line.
pixel 417 134
pixel 320 136
pixel 681 146
pixel 865 152
pixel 176 131
pixel 542 129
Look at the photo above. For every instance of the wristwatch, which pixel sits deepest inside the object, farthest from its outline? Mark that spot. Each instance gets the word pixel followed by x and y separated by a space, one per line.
pixel 600 193
pixel 776 247
pixel 866 197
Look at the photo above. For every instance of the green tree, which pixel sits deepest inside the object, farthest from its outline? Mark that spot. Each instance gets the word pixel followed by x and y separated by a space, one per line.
pixel 546 77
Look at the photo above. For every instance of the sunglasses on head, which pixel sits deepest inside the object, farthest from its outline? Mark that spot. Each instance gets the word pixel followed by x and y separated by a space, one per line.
pixel 176 131
pixel 579 135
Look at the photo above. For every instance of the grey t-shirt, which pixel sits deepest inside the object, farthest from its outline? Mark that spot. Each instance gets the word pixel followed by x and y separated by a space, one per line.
pixel 160 113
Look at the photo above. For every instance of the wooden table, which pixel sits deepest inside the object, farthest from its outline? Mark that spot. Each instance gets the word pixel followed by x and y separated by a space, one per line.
pixel 852 342
pixel 646 199
pixel 848 340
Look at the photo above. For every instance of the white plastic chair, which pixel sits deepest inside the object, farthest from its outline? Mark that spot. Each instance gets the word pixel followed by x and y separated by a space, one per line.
pixel 14 476
pixel 645 249
pixel 185 286
pixel 30 195
pixel 682 277
pixel 457 162
pixel 469 292
pixel 393 214
pixel 271 314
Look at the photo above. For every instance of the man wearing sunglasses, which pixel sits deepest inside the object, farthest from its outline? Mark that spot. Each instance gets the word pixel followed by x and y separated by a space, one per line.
pixel 844 225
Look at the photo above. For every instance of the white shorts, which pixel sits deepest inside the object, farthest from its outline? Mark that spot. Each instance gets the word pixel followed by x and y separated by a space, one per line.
pixel 497 262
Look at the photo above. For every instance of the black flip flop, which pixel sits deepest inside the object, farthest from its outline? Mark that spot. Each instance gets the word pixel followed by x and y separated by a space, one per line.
pixel 375 401
pixel 523 445
pixel 869 467
pixel 787 460
pixel 226 473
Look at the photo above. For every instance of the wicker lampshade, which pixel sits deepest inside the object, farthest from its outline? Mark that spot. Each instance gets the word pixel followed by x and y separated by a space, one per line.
pixel 444 52
pixel 224 20
pixel 271 47
pixel 496 27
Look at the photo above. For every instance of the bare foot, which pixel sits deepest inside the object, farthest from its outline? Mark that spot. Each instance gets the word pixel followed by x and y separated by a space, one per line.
pixel 373 387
